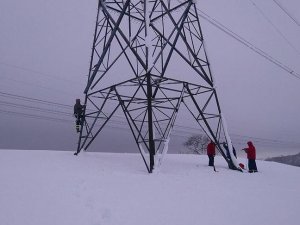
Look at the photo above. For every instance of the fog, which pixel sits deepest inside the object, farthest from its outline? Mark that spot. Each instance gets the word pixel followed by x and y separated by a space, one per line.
pixel 45 50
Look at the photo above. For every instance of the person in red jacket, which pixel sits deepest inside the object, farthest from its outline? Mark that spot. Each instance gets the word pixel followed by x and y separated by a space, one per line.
pixel 211 152
pixel 251 155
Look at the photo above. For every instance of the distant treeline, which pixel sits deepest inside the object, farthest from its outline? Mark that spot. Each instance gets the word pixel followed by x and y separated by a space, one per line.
pixel 293 160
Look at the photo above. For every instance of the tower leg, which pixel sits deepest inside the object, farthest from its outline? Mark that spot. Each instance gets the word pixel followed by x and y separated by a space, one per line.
pixel 150 123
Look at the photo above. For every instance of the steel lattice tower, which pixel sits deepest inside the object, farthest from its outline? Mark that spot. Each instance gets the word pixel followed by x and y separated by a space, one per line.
pixel 148 59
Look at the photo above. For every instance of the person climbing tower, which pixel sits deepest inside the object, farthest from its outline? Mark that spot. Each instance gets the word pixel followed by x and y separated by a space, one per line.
pixel 78 113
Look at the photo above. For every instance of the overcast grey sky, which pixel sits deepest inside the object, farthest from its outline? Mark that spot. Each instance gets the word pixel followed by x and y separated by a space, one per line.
pixel 45 48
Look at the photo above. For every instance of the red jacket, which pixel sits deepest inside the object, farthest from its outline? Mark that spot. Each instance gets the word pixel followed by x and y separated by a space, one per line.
pixel 211 149
pixel 251 152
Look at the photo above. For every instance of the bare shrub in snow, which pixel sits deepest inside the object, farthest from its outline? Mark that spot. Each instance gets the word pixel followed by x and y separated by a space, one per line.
pixel 196 144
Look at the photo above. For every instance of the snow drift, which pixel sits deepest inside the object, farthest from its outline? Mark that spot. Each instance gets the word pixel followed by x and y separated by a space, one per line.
pixel 50 187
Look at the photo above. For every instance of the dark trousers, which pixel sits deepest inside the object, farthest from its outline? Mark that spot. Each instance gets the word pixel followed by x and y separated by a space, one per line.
pixel 78 123
pixel 211 159
pixel 252 165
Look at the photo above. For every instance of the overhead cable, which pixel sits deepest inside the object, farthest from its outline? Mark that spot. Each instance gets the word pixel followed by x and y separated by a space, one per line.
pixel 27 107
pixel 178 129
pixel 286 12
pixel 33 99
pixel 38 72
pixel 248 44
pixel 31 84
pixel 32 116
pixel 274 26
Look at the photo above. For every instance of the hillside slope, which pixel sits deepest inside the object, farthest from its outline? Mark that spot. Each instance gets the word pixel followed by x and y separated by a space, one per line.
pixel 293 160
pixel 50 187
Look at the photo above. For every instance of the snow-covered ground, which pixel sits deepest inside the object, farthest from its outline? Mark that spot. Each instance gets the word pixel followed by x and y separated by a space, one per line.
pixel 57 188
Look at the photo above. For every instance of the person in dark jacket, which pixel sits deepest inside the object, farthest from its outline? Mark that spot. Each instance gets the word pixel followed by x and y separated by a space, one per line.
pixel 78 113
pixel 251 155
pixel 211 152
pixel 227 150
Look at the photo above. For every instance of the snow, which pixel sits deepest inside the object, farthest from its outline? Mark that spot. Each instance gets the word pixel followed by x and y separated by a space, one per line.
pixel 53 187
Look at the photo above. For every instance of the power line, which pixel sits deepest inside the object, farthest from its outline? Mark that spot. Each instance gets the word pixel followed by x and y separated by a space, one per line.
pixel 21 106
pixel 5 94
pixel 47 118
pixel 286 12
pixel 244 138
pixel 33 116
pixel 38 72
pixel 37 85
pixel 121 125
pixel 54 77
pixel 274 26
pixel 246 43
pixel 177 128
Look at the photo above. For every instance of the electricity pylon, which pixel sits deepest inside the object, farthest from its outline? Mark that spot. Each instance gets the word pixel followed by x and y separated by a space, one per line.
pixel 148 59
